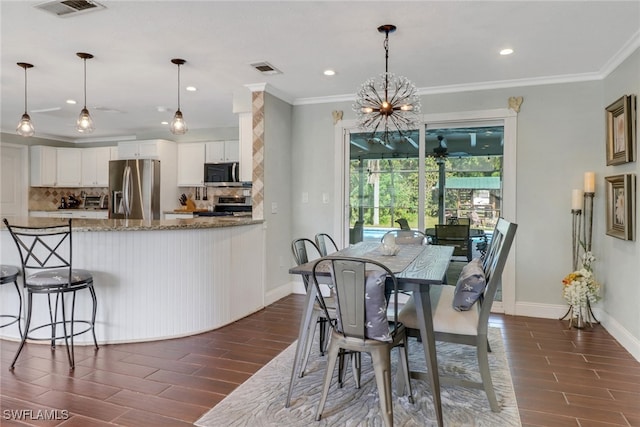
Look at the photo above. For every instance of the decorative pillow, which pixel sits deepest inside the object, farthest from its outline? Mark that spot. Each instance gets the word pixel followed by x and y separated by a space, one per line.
pixel 470 286
pixel 377 323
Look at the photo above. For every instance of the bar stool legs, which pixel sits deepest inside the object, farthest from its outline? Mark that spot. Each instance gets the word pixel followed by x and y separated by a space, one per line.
pixel 9 274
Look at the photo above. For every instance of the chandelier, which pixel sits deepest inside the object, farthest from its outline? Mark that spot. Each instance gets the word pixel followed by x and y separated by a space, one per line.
pixel 387 103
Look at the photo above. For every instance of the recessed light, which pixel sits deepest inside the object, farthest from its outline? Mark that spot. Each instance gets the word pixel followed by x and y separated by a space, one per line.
pixel 191 88
pixel 71 101
pixel 329 73
pixel 507 51
pixel 164 123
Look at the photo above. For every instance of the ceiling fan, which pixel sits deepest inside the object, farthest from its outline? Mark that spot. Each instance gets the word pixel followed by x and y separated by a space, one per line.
pixel 442 150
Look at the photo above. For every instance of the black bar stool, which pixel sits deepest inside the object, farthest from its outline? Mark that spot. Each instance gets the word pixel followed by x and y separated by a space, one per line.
pixel 46 254
pixel 9 274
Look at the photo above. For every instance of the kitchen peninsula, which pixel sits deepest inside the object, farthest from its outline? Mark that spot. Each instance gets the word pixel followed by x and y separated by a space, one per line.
pixel 158 279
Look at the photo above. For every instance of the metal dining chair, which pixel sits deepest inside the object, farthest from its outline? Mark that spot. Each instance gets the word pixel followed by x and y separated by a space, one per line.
pixel 46 256
pixel 361 325
pixel 321 241
pixel 406 237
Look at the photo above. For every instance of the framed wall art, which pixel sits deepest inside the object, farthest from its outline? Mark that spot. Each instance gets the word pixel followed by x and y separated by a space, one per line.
pixel 621 206
pixel 621 130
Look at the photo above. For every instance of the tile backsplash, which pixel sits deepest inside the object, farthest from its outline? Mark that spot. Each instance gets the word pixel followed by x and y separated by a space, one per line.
pixel 48 198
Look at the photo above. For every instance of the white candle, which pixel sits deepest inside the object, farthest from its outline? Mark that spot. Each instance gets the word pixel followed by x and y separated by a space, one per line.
pixel 589 182
pixel 576 200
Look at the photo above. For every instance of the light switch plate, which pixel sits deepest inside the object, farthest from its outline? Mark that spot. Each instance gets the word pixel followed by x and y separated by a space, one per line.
pixel 305 197
pixel 274 207
pixel 325 197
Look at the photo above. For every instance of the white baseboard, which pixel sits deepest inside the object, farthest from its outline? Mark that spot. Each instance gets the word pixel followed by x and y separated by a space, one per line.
pixel 279 293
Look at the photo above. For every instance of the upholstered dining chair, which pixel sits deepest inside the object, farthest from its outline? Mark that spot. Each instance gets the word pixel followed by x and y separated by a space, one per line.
pixel 321 241
pixel 46 256
pixel 361 325
pixel 406 237
pixel 461 313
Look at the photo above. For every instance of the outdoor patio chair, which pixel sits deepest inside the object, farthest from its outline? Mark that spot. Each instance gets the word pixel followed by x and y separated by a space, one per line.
pixel 455 235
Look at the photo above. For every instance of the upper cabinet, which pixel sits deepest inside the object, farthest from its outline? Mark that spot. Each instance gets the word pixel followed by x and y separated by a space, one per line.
pixel 95 166
pixel 69 167
pixel 222 151
pixel 139 149
pixel 43 166
pixel 191 159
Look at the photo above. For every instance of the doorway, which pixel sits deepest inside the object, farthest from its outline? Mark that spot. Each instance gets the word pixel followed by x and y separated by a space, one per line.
pixel 13 181
pixel 469 171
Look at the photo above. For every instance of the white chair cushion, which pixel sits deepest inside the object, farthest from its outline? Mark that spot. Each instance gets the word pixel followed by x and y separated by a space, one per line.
pixel 445 318
pixel 59 277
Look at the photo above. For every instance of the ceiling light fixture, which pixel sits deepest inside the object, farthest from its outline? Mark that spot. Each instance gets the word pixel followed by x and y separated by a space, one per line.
pixel 387 101
pixel 506 51
pixel 25 127
pixel 329 73
pixel 84 124
pixel 178 126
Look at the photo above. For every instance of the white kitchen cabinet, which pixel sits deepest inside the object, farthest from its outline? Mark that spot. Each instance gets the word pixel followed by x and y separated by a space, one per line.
pixel 222 151
pixel 191 159
pixel 69 167
pixel 43 166
pixel 140 149
pixel 95 166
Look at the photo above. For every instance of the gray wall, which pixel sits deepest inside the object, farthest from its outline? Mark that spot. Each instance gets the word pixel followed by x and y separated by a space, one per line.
pixel 560 136
pixel 622 272
pixel 277 189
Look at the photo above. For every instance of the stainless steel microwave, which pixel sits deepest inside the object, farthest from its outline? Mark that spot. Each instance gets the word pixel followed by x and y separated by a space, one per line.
pixel 222 174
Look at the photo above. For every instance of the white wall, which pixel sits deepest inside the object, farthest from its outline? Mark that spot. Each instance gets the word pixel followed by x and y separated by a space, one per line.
pixel 560 136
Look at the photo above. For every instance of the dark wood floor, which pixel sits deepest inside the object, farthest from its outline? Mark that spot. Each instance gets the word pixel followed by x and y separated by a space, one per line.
pixel 561 377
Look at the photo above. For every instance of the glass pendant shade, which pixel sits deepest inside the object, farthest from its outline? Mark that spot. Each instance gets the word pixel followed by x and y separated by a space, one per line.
pixel 84 124
pixel 178 125
pixel 25 127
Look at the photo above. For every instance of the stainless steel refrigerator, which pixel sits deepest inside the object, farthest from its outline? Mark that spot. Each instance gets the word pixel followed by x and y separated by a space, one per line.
pixel 134 189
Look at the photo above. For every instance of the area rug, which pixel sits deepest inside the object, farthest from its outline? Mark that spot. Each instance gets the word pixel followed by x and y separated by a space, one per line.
pixel 260 400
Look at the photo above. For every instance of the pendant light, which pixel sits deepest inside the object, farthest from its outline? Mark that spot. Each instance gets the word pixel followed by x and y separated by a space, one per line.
pixel 85 122
pixel 25 127
pixel 178 125
pixel 389 103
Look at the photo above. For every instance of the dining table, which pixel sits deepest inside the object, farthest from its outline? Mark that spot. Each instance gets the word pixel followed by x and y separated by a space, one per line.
pixel 417 268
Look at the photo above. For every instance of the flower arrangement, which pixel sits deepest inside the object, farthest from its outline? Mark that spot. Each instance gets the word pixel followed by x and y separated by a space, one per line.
pixel 580 286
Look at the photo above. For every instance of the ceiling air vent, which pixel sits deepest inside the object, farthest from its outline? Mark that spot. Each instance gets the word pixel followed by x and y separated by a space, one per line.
pixel 266 68
pixel 66 8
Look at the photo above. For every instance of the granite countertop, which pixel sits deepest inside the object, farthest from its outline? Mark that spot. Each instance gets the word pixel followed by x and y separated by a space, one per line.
pixel 136 224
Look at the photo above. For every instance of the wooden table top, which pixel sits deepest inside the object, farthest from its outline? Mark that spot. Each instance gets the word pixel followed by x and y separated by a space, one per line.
pixel 422 264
